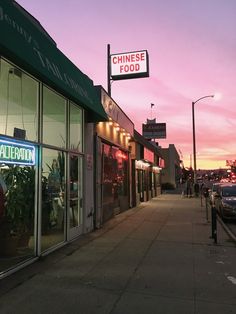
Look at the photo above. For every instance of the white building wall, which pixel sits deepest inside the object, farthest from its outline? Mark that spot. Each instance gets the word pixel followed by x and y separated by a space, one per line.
pixel 172 160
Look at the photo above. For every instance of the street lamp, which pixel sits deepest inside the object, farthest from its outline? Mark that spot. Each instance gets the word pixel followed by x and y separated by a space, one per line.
pixel 194 140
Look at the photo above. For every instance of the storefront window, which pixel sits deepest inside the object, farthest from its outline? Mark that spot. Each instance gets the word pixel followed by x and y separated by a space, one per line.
pixel 115 175
pixel 76 135
pixel 17 212
pixel 54 118
pixel 122 172
pixel 110 189
pixel 19 191
pixel 53 198
pixel 158 179
pixel 18 103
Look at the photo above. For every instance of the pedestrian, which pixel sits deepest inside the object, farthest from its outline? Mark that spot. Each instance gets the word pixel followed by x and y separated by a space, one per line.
pixel 182 184
pixel 196 189
pixel 189 187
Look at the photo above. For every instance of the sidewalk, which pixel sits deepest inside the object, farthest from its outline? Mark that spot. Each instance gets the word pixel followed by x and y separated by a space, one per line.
pixel 153 259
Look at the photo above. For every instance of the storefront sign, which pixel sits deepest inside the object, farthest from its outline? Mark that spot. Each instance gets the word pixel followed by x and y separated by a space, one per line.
pixel 148 155
pixel 28 44
pixel 161 163
pixel 16 153
pixel 129 65
pixel 154 130
pixel 139 164
pixel 115 112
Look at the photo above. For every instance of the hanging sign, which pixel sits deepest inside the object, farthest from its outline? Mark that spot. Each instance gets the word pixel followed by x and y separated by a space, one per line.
pixel 154 130
pixel 16 153
pixel 148 155
pixel 129 65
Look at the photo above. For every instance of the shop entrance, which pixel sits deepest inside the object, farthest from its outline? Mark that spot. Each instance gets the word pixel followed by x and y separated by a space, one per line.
pixel 75 196
pixel 141 184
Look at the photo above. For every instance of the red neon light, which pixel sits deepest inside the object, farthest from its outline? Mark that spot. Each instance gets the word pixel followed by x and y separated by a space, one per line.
pixel 121 155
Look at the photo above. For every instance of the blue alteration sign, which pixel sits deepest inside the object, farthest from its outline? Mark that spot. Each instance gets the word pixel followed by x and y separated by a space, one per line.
pixel 12 152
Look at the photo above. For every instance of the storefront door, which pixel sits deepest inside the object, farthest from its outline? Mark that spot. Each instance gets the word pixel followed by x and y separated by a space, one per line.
pixel 75 215
pixel 141 184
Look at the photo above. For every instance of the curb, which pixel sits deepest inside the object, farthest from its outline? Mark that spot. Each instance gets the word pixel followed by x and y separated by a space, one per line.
pixel 227 230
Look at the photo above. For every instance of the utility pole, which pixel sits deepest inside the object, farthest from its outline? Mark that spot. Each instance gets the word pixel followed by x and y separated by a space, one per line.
pixel 108 70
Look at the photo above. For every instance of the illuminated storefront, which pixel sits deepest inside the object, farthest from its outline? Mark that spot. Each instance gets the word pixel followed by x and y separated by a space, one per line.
pixel 146 171
pixel 113 194
pixel 45 106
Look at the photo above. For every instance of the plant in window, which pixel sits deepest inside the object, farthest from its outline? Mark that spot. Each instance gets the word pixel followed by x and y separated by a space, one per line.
pixel 52 192
pixel 20 199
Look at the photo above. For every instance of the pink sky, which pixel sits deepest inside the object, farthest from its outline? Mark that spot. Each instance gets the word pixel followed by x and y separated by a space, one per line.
pixel 192 53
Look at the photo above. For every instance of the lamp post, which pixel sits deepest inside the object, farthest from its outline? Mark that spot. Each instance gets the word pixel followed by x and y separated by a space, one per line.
pixel 194 139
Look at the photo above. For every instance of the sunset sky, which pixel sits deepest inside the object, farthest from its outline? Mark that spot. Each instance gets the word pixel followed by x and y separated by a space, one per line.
pixel 192 53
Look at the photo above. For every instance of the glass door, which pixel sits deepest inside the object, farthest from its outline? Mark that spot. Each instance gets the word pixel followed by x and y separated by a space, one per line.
pixel 53 198
pixel 75 196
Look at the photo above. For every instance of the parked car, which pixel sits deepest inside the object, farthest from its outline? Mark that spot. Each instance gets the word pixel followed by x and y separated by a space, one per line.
pixel 225 200
pixel 213 191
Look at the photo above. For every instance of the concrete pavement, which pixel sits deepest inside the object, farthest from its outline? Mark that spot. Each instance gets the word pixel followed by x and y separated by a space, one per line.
pixel 155 258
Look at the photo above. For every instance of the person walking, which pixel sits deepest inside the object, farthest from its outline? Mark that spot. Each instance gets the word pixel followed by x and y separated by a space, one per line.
pixel 189 187
pixel 196 189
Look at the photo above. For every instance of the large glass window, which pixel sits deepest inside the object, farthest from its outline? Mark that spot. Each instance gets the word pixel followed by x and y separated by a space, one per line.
pixel 76 135
pixel 115 176
pixel 54 118
pixel 17 212
pixel 61 213
pixel 53 198
pixel 18 103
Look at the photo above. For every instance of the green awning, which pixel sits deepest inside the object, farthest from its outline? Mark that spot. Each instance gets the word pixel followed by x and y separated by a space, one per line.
pixel 24 41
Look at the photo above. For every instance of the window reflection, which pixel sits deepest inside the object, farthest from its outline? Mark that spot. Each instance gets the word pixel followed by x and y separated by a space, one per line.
pixel 75 128
pixel 18 98
pixel 53 194
pixel 17 210
pixel 115 165
pixel 75 191
pixel 54 118
pixel 20 197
